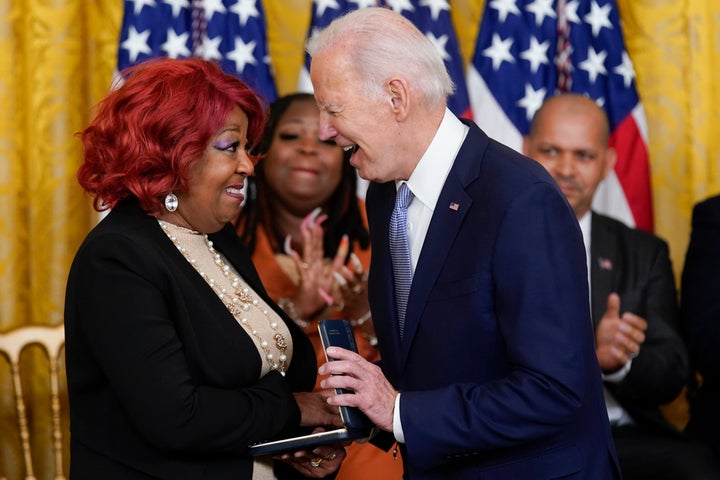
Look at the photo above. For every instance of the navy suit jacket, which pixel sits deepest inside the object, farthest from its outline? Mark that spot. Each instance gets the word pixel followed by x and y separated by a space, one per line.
pixel 163 381
pixel 497 368
pixel 701 317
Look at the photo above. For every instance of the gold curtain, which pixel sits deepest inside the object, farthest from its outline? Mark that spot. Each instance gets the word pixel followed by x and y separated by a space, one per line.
pixel 675 46
pixel 57 61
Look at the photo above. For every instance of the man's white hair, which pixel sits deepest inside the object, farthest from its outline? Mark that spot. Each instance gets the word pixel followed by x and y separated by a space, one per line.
pixel 384 44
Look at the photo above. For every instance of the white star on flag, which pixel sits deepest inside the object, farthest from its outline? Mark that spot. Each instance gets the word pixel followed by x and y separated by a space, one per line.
pixel 598 17
pixel 435 6
pixel 322 5
pixel 245 9
pixel 210 49
pixel 541 9
pixel 439 44
pixel 532 100
pixel 242 54
pixel 177 6
pixel 499 51
pixel 212 7
pixel 136 43
pixel 626 70
pixel 536 54
pixel 571 12
pixel 401 5
pixel 139 4
pixel 504 7
pixel 594 64
pixel 176 45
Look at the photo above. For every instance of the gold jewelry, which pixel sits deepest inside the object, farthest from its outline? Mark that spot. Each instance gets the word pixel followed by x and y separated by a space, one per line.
pixel 288 307
pixel 237 302
pixel 315 462
pixel 361 320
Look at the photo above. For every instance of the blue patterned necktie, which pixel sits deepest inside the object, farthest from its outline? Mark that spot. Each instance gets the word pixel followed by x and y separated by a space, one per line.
pixel 400 252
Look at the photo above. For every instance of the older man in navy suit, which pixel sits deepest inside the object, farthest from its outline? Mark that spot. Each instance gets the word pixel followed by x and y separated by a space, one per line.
pixel 488 365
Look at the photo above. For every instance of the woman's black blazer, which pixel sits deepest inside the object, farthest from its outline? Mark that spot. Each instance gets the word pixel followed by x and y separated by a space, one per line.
pixel 163 382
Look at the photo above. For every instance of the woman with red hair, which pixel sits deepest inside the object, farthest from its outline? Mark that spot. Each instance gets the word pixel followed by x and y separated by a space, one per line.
pixel 177 359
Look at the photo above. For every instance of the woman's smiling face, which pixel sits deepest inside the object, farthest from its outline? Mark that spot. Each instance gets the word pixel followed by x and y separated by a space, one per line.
pixel 299 167
pixel 215 183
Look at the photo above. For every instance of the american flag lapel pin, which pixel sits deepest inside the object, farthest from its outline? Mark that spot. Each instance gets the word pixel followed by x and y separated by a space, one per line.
pixel 454 206
pixel 604 263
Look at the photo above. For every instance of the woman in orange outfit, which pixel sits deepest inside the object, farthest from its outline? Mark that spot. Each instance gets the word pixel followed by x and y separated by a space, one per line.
pixel 307 231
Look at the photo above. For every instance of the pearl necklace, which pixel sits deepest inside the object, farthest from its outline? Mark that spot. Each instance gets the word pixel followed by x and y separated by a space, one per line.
pixel 238 302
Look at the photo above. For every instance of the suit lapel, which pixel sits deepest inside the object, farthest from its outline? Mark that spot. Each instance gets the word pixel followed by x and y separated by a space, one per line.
pixel 380 202
pixel 443 228
pixel 451 208
pixel 603 261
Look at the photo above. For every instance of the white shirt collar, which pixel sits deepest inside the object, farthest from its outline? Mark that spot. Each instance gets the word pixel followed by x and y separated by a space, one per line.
pixel 585 227
pixel 429 176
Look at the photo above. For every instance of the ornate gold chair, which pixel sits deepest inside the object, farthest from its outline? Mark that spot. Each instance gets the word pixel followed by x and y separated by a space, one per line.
pixel 35 352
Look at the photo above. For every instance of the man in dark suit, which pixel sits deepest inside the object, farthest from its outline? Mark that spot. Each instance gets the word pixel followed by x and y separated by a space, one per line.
pixel 701 318
pixel 633 298
pixel 493 373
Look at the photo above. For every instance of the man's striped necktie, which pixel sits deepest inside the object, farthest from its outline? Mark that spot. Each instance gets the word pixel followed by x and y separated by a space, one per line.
pixel 400 252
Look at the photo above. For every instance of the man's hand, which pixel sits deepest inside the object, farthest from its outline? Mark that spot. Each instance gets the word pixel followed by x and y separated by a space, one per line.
pixel 373 394
pixel 618 338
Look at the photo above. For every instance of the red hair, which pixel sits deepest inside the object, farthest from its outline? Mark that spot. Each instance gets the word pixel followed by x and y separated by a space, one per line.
pixel 147 133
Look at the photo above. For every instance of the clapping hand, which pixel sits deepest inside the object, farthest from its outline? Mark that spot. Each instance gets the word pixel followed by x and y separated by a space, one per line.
pixel 618 337
pixel 338 285
pixel 315 281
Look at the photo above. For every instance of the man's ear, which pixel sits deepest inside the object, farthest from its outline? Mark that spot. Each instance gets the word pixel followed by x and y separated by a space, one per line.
pixel 399 97
pixel 610 159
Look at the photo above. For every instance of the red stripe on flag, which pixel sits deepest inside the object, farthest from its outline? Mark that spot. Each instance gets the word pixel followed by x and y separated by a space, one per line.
pixel 633 171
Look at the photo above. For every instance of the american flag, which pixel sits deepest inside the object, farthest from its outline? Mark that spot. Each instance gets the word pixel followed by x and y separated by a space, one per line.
pixel 432 17
pixel 230 32
pixel 528 50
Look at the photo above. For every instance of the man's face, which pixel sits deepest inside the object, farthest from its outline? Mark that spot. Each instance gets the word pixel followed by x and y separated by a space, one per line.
pixel 355 121
pixel 569 142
